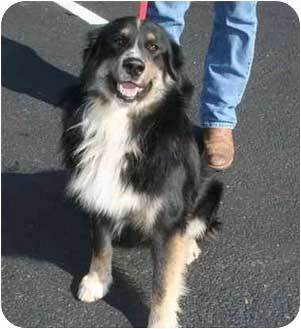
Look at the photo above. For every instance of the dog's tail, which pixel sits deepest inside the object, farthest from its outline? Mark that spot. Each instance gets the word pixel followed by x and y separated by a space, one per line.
pixel 203 221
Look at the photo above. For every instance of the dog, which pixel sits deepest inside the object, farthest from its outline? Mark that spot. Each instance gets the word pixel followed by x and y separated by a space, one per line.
pixel 134 160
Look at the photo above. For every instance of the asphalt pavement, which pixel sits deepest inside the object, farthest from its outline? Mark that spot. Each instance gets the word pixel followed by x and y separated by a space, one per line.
pixel 248 277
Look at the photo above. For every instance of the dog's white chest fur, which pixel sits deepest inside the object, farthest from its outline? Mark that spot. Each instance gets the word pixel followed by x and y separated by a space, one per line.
pixel 97 183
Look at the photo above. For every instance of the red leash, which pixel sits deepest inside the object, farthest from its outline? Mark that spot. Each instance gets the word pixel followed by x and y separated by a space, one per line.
pixel 143 10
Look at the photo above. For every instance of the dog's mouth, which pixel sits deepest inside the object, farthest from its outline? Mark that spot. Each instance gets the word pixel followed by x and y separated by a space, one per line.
pixel 130 91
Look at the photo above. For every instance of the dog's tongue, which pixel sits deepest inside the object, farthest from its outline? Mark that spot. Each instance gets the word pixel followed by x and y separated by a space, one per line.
pixel 129 89
pixel 128 85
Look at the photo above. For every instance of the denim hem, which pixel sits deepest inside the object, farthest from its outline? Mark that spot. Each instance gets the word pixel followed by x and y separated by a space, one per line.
pixel 218 125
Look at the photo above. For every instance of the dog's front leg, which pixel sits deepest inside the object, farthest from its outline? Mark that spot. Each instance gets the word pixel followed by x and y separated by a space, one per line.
pixel 97 282
pixel 170 257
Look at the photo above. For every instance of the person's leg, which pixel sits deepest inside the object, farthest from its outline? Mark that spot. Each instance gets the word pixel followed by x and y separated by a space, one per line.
pixel 228 62
pixel 169 15
pixel 227 68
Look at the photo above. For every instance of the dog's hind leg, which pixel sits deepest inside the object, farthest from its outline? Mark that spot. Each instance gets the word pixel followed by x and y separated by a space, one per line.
pixel 97 282
pixel 170 258
pixel 196 229
pixel 193 251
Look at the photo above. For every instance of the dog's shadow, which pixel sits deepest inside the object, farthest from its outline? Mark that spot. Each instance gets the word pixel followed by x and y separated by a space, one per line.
pixel 38 222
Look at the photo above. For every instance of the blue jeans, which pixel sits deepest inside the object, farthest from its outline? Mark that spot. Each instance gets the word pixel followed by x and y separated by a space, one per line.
pixel 229 58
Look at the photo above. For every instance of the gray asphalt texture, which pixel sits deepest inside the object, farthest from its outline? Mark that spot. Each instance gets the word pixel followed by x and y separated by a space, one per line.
pixel 249 277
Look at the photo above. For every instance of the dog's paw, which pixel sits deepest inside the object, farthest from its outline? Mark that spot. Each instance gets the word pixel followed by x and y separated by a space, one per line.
pixel 163 324
pixel 92 288
pixel 162 319
pixel 193 252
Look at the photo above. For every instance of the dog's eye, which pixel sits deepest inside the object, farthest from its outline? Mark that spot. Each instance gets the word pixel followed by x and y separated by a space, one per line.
pixel 152 47
pixel 121 42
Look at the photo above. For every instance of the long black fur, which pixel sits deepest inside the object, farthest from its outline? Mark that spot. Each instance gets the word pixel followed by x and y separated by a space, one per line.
pixel 170 161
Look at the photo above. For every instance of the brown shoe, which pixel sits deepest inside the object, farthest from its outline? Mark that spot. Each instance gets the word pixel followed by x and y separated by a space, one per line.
pixel 219 147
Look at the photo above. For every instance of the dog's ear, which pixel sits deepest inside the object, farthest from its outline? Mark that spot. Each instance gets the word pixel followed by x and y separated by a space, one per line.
pixel 90 55
pixel 93 37
pixel 175 65
pixel 175 60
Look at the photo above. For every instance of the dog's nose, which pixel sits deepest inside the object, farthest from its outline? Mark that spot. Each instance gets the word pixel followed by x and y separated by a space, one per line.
pixel 133 66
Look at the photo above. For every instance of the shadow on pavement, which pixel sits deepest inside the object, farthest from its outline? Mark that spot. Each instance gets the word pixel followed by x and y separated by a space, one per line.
pixel 25 72
pixel 39 222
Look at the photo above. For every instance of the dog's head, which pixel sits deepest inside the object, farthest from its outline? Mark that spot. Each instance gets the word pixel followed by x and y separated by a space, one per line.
pixel 130 59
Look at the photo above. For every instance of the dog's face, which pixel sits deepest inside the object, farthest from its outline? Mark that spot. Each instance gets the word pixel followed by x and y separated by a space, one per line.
pixel 131 59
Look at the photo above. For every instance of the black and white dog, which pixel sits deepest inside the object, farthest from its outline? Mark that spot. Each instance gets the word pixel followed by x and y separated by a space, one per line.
pixel 134 159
